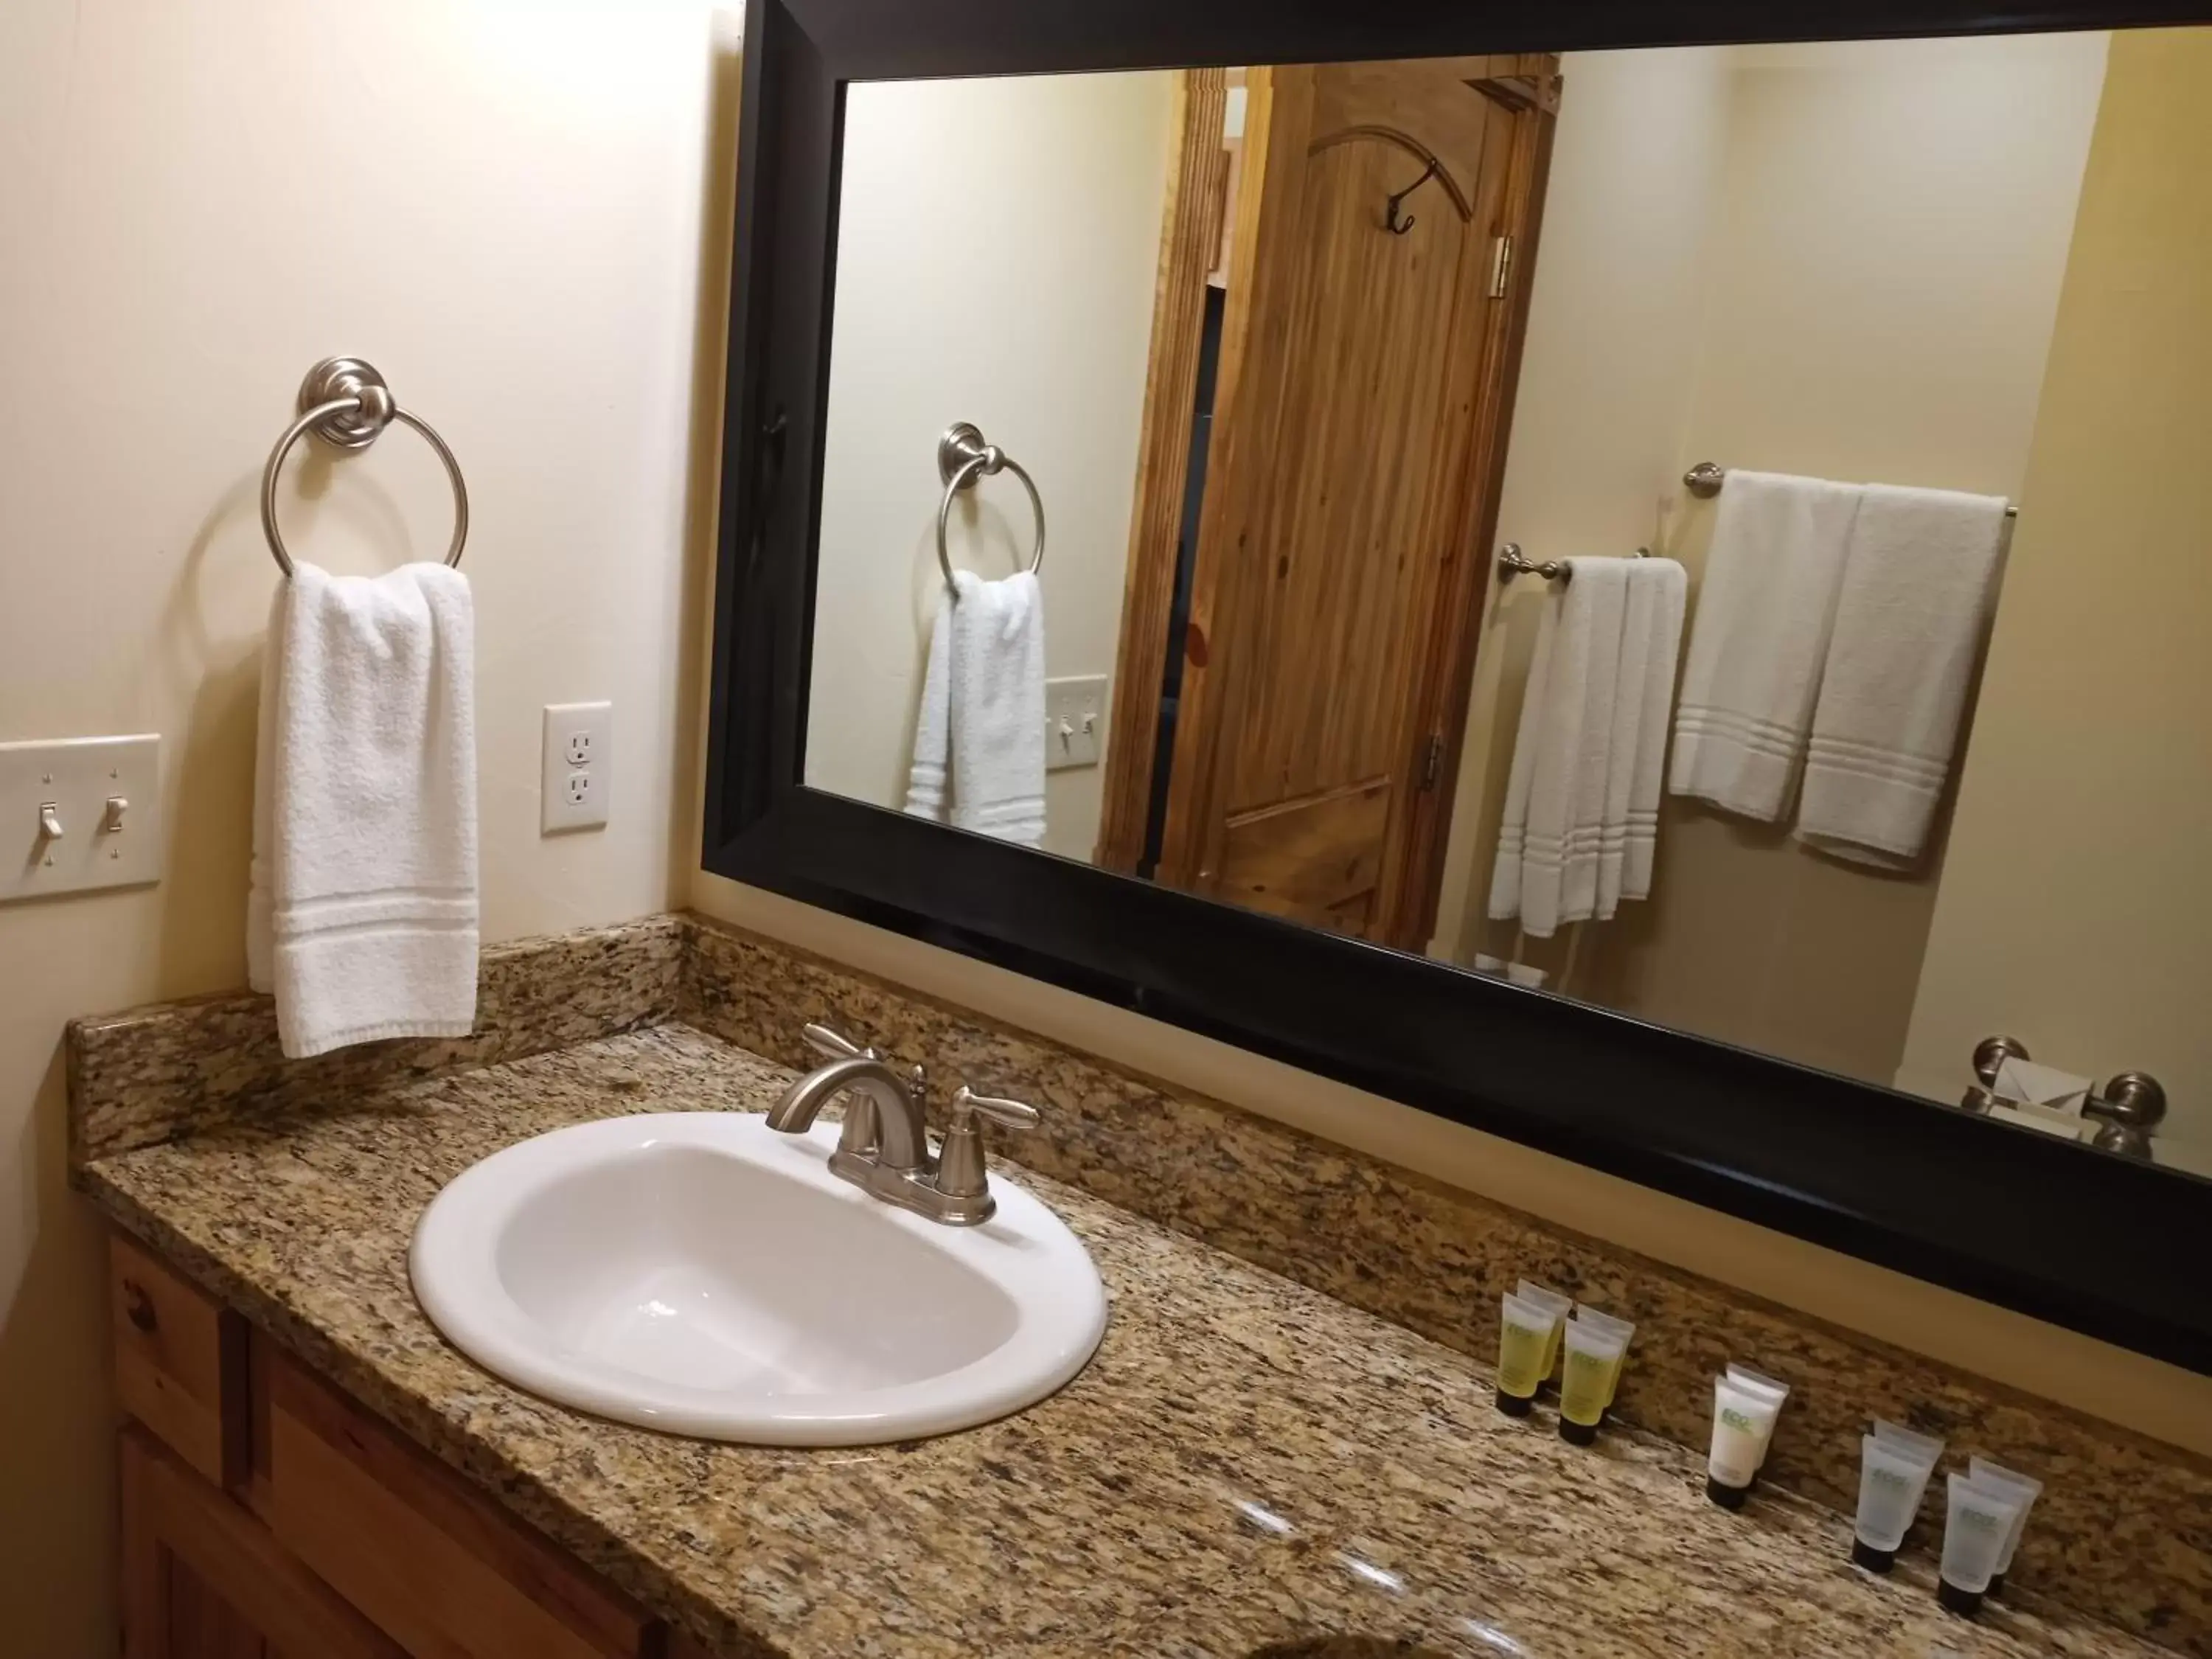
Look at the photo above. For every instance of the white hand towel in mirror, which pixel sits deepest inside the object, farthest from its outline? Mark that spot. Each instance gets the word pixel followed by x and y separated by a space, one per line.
pixel 1764 608
pixel 1919 581
pixel 978 735
pixel 1650 647
pixel 362 905
pixel 1552 835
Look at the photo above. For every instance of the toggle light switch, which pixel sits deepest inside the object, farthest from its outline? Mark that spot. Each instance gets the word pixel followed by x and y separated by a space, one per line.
pixel 50 822
pixel 111 821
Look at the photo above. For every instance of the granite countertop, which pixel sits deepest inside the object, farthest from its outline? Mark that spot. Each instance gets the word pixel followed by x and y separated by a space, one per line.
pixel 1245 1462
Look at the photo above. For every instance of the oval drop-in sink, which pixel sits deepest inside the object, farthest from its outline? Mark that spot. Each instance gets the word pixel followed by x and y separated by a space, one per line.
pixel 700 1273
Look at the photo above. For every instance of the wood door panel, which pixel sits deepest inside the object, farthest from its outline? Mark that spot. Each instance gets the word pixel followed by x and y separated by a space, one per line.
pixel 1356 381
pixel 1320 856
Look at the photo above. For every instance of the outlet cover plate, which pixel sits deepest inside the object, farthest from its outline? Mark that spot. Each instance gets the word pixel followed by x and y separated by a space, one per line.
pixel 1077 703
pixel 78 776
pixel 574 793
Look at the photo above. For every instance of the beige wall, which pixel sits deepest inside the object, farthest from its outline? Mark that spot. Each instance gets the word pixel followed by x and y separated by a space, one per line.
pixel 1887 234
pixel 2074 909
pixel 1025 307
pixel 1605 378
pixel 501 205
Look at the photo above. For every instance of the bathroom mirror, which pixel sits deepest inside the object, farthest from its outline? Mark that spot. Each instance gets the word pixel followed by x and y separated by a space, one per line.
pixel 1570 581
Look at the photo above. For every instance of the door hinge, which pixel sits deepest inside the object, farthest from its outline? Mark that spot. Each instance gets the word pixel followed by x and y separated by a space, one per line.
pixel 1432 760
pixel 1501 265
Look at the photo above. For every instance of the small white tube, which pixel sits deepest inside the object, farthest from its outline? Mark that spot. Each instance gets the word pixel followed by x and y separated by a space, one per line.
pixel 1977 1521
pixel 1924 1446
pixel 1891 1481
pixel 1561 1305
pixel 2023 1491
pixel 1743 1420
pixel 1760 1383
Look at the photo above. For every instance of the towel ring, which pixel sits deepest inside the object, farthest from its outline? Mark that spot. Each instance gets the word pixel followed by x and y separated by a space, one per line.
pixel 344 402
pixel 962 457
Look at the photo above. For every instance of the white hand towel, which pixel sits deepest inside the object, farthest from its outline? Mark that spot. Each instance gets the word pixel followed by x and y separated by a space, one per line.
pixel 362 903
pixel 1650 647
pixel 1918 583
pixel 1552 833
pixel 1765 610
pixel 981 720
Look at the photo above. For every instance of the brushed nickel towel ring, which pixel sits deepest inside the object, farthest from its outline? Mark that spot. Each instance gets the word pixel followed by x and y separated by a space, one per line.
pixel 962 457
pixel 344 402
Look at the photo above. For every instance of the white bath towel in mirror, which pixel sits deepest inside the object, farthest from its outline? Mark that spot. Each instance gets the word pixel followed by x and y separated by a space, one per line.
pixel 1919 581
pixel 979 752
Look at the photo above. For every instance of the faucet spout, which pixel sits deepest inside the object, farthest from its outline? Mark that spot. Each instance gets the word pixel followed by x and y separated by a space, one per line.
pixel 901 1138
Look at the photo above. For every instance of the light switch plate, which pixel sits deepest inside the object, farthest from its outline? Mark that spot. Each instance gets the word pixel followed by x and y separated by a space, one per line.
pixel 1074 721
pixel 99 845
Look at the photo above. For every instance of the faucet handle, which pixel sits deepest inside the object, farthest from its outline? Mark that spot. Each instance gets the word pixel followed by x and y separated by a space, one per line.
pixel 1014 1114
pixel 824 1040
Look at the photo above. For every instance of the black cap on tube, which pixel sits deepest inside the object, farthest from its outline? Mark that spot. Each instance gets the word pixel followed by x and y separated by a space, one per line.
pixel 1996 1584
pixel 1864 1554
pixel 1577 1434
pixel 1729 1498
pixel 1965 1602
pixel 1514 1405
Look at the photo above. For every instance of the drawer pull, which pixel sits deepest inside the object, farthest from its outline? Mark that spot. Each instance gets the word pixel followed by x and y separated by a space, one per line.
pixel 138 1307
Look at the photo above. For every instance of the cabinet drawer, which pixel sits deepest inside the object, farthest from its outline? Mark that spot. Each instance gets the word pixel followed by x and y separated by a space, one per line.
pixel 180 1362
pixel 439 1568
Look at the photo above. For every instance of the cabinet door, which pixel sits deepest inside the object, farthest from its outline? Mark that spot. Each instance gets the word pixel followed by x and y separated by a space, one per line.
pixel 203 1579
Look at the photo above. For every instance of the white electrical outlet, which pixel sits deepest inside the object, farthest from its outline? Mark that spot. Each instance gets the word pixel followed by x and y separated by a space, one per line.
pixel 1074 721
pixel 80 813
pixel 578 766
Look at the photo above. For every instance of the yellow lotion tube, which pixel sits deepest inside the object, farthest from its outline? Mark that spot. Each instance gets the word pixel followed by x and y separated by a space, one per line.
pixel 1544 1296
pixel 1593 1363
pixel 1524 1343
pixel 1623 1328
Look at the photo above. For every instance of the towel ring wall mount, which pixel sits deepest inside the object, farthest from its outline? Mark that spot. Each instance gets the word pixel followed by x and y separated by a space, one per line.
pixel 962 457
pixel 345 403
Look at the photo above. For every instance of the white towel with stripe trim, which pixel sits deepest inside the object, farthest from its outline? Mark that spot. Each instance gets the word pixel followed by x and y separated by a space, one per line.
pixel 1552 838
pixel 979 733
pixel 1765 610
pixel 1650 647
pixel 361 892
pixel 1920 582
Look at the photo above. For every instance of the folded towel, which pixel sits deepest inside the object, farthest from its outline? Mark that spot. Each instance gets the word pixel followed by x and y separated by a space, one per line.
pixel 1765 610
pixel 980 727
pixel 1918 582
pixel 361 901
pixel 1651 646
pixel 1551 836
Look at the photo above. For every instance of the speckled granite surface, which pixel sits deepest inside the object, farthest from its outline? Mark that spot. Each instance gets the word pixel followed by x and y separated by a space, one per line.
pixel 2124 1530
pixel 150 1074
pixel 1246 1462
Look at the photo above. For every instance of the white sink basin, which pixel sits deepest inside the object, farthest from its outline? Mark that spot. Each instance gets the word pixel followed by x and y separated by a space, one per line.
pixel 699 1273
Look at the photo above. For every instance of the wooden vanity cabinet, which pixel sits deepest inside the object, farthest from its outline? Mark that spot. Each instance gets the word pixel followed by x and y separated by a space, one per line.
pixel 265 1515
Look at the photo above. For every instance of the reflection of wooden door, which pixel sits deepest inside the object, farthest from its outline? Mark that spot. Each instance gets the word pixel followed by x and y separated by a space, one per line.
pixel 1359 430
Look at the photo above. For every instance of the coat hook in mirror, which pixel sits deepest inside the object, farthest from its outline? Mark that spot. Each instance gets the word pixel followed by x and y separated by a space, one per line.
pixel 1391 222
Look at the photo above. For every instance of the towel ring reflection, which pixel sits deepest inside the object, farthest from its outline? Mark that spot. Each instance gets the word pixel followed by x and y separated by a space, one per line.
pixel 962 457
pixel 344 402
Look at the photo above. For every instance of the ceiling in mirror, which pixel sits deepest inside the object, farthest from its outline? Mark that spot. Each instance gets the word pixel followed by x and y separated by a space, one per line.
pixel 1712 532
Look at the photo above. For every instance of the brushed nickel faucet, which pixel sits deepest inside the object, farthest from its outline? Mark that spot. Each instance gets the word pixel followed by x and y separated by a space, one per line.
pixel 882 1147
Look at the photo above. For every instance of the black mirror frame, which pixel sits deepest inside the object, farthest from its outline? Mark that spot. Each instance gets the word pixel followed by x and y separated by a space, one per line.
pixel 2104 1245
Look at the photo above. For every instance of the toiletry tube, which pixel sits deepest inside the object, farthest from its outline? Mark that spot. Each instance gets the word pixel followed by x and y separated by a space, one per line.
pixel 1544 1296
pixel 1891 1478
pixel 2022 1491
pixel 1524 1341
pixel 1975 1527
pixel 1925 1447
pixel 1623 1328
pixel 1741 1421
pixel 1744 1376
pixel 1593 1362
